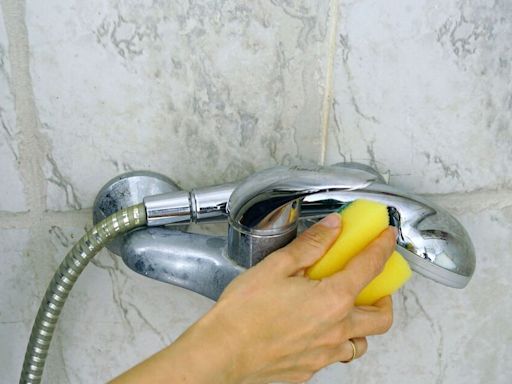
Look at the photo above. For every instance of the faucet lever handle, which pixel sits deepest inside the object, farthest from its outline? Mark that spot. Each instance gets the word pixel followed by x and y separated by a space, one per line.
pixel 269 201
pixel 263 211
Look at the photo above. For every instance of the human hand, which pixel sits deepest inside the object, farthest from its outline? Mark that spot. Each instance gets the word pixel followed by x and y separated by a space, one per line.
pixel 278 325
pixel 274 324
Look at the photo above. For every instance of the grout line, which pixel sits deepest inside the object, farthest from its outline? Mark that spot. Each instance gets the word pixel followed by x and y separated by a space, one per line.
pixel 474 201
pixel 25 220
pixel 479 200
pixel 32 145
pixel 326 105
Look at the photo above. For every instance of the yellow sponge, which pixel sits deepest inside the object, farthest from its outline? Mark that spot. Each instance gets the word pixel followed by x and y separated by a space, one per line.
pixel 362 222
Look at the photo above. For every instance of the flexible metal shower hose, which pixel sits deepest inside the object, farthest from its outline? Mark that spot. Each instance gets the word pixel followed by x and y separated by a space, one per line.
pixel 64 279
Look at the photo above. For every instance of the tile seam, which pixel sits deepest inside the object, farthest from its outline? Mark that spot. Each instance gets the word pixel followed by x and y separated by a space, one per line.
pixel 327 99
pixel 32 145
pixel 481 200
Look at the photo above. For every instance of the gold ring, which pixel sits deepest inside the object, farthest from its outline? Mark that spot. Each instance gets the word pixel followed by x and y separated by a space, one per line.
pixel 354 351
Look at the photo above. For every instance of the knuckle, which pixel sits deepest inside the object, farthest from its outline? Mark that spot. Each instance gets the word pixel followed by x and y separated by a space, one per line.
pixel 346 300
pixel 323 360
pixel 386 321
pixel 344 354
pixel 335 337
pixel 339 336
pixel 376 262
pixel 338 302
pixel 281 259
pixel 313 238
pixel 351 289
pixel 314 364
pixel 285 258
pixel 300 377
pixel 363 347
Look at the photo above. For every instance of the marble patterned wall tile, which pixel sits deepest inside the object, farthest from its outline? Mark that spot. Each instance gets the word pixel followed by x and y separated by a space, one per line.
pixel 207 92
pixel 15 302
pixel 11 187
pixel 445 335
pixel 113 318
pixel 204 92
pixel 422 91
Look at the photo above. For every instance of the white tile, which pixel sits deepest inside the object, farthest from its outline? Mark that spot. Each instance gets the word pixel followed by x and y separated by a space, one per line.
pixel 202 93
pixel 18 299
pixel 422 91
pixel 11 186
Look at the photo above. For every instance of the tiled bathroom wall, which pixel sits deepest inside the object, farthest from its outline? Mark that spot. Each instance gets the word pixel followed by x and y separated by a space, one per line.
pixel 210 91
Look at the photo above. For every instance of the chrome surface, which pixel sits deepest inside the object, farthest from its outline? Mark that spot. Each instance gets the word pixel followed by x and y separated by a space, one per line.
pixel 264 212
pixel 192 261
pixel 248 249
pixel 181 207
pixel 268 202
pixel 170 208
pixel 126 190
pixel 362 167
pixel 434 242
pixel 209 204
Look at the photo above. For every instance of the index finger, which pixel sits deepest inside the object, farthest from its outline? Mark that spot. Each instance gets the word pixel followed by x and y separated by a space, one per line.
pixel 365 266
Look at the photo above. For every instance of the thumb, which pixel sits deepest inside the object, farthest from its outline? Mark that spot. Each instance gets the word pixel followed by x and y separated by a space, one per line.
pixel 307 248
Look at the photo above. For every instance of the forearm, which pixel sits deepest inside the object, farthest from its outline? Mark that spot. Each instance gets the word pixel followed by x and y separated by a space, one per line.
pixel 198 356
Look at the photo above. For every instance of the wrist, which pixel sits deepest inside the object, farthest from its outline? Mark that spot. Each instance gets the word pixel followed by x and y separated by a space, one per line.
pixel 208 351
pixel 201 355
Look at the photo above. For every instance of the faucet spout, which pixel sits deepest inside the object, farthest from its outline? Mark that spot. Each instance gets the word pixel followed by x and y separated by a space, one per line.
pixel 192 261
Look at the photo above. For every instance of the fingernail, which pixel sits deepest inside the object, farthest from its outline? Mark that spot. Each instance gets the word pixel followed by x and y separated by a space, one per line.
pixel 395 231
pixel 331 221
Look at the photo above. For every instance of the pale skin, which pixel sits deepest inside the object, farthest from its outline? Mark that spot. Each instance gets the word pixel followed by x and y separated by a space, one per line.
pixel 273 324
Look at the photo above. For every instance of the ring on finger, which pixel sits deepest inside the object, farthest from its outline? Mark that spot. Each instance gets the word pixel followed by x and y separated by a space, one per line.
pixel 354 351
